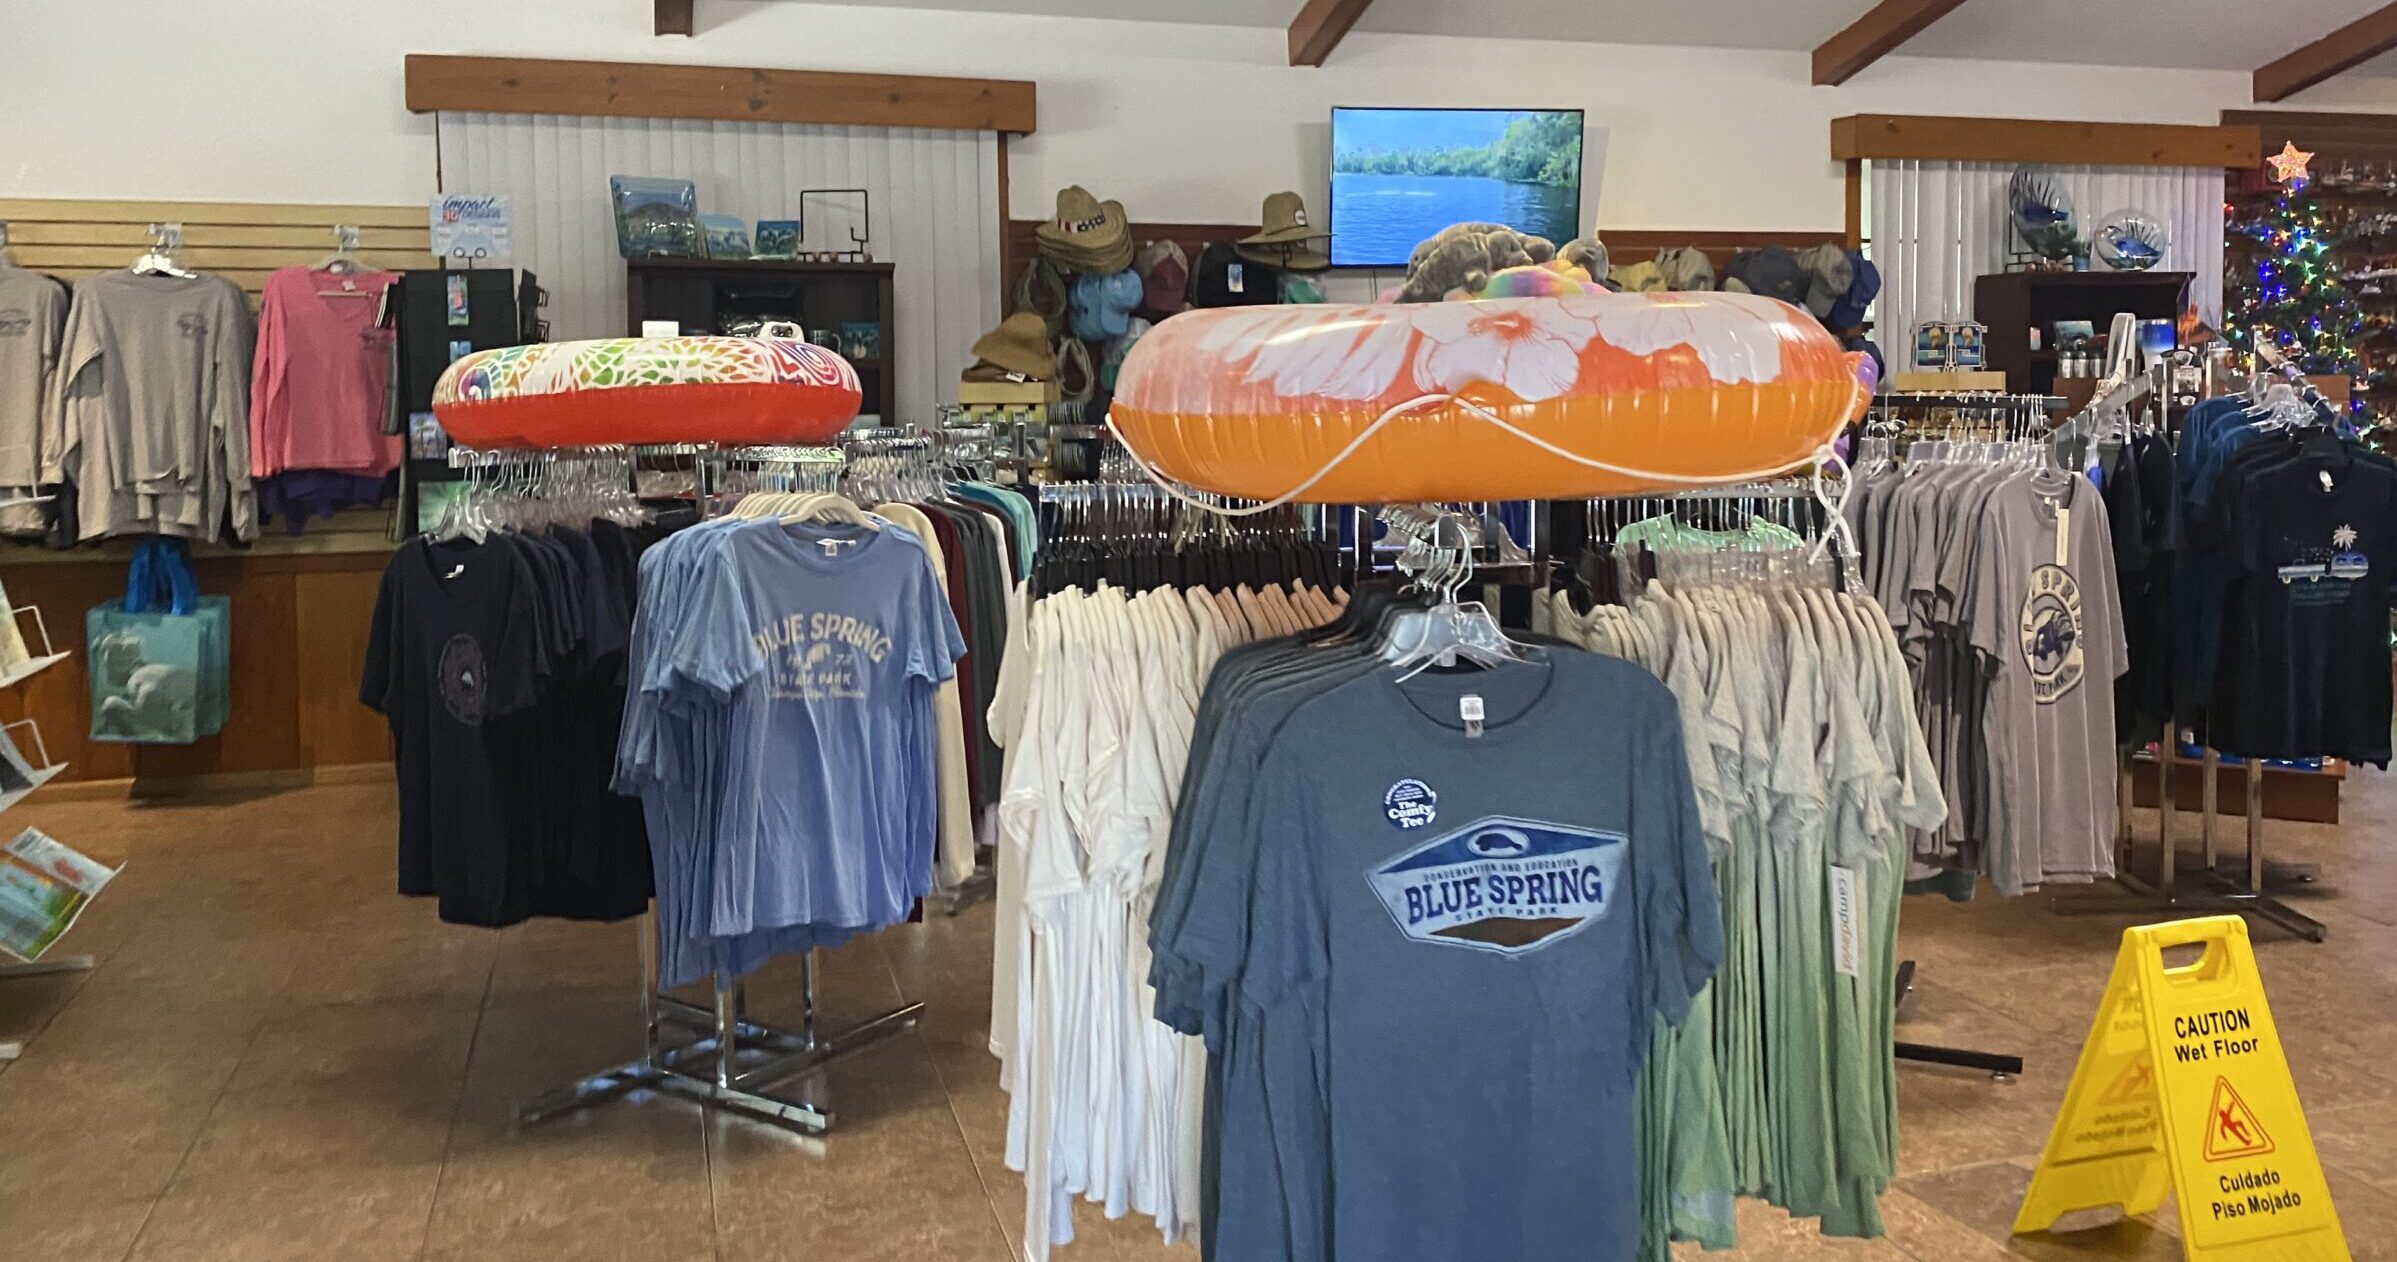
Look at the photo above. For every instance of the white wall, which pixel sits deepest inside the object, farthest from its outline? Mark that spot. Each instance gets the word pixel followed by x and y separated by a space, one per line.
pixel 300 100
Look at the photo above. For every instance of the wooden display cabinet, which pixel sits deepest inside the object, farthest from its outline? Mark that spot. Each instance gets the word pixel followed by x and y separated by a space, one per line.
pixel 2011 304
pixel 700 295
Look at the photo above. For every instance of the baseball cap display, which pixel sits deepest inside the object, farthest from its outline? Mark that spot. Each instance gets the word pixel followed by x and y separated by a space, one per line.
pixel 1086 234
pixel 1225 279
pixel 1287 240
pixel 1637 278
pixel 1164 279
pixel 1772 271
pixel 1017 350
pixel 1102 304
pixel 1686 268
pixel 1828 276
pixel 1848 312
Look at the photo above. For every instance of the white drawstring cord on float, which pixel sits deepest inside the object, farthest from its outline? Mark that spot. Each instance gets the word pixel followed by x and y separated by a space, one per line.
pixel 1140 462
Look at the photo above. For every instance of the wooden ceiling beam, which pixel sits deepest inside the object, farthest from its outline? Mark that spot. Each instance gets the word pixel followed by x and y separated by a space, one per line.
pixel 1875 35
pixel 1319 27
pixel 2342 50
pixel 676 17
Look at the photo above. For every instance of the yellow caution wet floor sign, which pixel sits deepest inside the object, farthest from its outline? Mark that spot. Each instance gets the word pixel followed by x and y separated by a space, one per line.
pixel 2182 1087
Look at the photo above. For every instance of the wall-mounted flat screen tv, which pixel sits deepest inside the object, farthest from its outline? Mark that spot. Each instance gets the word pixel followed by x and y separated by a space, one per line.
pixel 1401 175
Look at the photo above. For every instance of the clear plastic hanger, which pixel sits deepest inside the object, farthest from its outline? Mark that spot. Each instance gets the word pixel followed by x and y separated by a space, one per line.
pixel 342 262
pixel 1447 632
pixel 159 260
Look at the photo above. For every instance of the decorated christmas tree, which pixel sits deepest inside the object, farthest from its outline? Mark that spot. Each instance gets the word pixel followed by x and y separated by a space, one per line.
pixel 2309 273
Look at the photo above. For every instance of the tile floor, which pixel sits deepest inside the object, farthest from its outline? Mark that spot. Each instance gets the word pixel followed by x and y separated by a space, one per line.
pixel 279 1058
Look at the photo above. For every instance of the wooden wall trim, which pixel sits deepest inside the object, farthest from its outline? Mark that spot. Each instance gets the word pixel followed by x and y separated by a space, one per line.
pixel 1943 139
pixel 2340 51
pixel 1875 35
pixel 620 89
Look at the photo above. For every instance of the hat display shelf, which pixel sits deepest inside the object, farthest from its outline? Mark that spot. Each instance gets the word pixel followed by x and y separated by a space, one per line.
pixel 39 774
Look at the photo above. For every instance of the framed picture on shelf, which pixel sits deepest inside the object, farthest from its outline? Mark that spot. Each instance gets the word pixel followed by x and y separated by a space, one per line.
pixel 861 340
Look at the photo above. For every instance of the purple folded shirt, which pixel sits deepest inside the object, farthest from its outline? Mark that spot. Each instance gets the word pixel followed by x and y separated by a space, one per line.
pixel 299 494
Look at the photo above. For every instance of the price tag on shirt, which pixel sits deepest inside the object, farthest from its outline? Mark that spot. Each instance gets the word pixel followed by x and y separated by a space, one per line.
pixel 1847 931
pixel 1235 278
pixel 2063 538
pixel 1470 709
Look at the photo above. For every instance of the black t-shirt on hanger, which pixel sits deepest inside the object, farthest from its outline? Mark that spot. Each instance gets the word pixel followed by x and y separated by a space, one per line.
pixel 455 661
pixel 2304 672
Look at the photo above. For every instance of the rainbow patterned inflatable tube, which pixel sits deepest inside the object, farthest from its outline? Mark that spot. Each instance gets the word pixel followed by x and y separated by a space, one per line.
pixel 731 390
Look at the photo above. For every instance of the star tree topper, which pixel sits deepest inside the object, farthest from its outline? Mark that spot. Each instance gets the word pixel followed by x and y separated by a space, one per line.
pixel 2288 166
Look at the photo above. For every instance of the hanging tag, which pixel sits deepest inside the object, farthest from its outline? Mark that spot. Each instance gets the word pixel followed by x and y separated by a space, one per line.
pixel 1847 932
pixel 1469 708
pixel 455 284
pixel 2063 538
pixel 1234 278
pixel 832 547
pixel 454 571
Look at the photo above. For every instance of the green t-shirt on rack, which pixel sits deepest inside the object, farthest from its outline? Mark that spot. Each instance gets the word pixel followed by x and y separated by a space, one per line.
pixel 1667 533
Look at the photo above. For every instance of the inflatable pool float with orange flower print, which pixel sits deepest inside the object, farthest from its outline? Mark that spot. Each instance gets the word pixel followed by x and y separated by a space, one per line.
pixel 1667 390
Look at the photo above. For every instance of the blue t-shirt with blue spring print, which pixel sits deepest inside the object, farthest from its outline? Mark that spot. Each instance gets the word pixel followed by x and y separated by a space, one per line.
pixel 1474 934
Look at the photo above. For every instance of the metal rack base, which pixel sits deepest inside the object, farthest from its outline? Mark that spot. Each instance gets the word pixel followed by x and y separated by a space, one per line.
pixel 1998 1065
pixel 2209 889
pixel 731 1061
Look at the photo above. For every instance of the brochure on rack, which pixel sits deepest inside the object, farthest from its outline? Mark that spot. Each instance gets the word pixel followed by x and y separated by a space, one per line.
pixel 44 886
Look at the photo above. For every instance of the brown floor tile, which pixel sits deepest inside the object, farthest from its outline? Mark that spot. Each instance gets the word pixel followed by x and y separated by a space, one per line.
pixel 65 1226
pixel 279 1057
pixel 356 1214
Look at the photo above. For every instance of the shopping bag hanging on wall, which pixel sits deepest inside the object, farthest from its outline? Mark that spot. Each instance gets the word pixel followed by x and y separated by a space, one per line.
pixel 161 658
pixel 1559 396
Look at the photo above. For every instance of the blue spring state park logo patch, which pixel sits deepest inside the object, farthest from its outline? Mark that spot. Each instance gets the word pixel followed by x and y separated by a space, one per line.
pixel 1510 886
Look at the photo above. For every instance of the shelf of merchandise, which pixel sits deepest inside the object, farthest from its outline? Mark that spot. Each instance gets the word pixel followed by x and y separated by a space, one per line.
pixel 10 1049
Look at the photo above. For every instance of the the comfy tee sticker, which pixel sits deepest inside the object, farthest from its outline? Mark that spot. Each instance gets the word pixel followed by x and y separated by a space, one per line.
pixel 1411 804
pixel 1506 885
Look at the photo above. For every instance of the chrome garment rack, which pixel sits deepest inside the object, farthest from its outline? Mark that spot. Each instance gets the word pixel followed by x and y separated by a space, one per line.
pixel 2209 889
pixel 728 1061
pixel 1812 512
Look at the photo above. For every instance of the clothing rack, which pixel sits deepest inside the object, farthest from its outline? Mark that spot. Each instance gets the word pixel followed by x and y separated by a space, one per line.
pixel 2209 890
pixel 730 1061
pixel 1750 497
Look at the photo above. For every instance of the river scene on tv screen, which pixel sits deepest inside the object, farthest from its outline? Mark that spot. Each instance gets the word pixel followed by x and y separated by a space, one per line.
pixel 1399 176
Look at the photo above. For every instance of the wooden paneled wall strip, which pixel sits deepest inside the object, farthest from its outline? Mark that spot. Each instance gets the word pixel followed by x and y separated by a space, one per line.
pixel 241 241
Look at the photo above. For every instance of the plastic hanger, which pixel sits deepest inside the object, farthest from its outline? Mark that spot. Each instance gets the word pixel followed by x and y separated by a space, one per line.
pixel 159 260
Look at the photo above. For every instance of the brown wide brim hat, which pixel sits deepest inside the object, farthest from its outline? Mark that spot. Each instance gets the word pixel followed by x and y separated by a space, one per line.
pixel 1285 223
pixel 1019 346
pixel 1087 235
pixel 1303 255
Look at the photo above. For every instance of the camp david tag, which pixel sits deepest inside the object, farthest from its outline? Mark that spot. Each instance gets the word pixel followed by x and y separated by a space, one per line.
pixel 1499 884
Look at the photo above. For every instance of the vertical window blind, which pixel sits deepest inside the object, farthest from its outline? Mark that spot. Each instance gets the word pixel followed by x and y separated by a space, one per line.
pixel 1933 227
pixel 935 206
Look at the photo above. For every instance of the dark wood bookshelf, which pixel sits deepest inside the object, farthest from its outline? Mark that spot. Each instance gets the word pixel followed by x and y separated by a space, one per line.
pixel 701 295
pixel 2011 304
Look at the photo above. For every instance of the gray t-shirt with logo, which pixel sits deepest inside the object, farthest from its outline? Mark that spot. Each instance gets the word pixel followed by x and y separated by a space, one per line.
pixel 1475 934
pixel 2046 624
